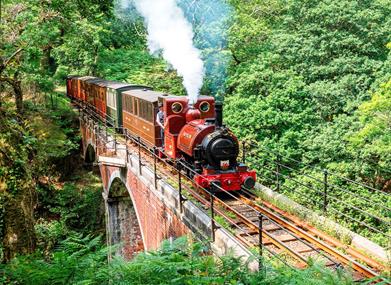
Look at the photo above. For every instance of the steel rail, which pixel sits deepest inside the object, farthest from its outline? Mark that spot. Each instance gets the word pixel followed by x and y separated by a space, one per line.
pixel 319 169
pixel 351 251
pixel 334 199
pixel 298 238
pixel 279 244
pixel 204 201
pixel 274 240
pixel 325 247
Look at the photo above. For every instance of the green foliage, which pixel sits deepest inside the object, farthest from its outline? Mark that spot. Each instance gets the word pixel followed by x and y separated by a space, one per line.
pixel 319 58
pixel 44 41
pixel 78 206
pixel 76 259
pixel 309 79
pixel 82 260
pixel 301 76
pixel 372 141
pixel 138 67
pixel 37 150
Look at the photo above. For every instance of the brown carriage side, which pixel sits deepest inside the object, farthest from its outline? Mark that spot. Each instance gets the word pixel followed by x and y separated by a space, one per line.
pixel 139 109
pixel 82 88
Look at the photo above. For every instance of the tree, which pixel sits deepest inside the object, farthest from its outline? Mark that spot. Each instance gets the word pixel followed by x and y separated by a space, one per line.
pixel 372 142
pixel 336 49
pixel 38 36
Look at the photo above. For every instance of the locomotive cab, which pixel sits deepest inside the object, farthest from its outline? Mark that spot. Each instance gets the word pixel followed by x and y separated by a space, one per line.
pixel 180 116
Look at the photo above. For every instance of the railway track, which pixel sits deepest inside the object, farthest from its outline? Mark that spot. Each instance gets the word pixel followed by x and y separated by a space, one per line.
pixel 283 235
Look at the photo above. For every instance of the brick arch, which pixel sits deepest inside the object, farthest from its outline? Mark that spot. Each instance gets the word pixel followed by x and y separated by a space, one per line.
pixel 157 222
pixel 123 223
pixel 121 174
pixel 90 154
pixel 88 141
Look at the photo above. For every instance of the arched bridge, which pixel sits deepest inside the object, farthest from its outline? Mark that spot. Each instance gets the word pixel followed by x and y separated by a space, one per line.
pixel 142 209
pixel 145 204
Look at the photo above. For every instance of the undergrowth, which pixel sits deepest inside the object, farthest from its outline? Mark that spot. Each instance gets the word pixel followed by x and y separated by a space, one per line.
pixel 83 260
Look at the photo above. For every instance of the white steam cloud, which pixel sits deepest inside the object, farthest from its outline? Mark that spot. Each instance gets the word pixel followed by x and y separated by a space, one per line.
pixel 170 33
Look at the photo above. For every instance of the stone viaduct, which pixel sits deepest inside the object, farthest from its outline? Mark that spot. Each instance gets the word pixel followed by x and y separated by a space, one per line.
pixel 141 213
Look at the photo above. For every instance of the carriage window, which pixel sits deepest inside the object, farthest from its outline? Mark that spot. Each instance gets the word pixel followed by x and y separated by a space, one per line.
pixel 130 105
pixel 142 109
pixel 111 99
pixel 127 104
pixel 149 115
pixel 146 110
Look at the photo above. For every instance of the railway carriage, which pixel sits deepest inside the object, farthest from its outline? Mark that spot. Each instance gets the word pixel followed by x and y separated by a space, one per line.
pixel 71 85
pixel 93 93
pixel 100 98
pixel 82 88
pixel 114 101
pixel 139 108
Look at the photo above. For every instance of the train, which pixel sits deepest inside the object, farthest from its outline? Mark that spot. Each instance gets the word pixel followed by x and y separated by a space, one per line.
pixel 194 134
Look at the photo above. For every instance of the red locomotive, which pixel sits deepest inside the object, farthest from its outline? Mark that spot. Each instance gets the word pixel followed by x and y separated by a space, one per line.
pixel 193 134
pixel 196 135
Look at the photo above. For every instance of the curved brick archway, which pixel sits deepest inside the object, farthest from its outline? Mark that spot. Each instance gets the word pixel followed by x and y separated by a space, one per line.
pixel 156 221
pixel 123 228
pixel 90 156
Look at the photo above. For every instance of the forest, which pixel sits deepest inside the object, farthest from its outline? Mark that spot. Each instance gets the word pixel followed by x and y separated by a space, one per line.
pixel 309 80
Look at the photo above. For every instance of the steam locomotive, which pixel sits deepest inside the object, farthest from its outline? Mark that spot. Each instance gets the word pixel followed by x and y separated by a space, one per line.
pixel 193 134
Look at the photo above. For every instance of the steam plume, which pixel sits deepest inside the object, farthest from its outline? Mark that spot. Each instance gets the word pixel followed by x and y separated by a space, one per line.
pixel 170 33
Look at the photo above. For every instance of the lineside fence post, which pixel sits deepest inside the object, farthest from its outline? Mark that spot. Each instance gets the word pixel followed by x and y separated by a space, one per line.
pixel 278 172
pixel 244 151
pixel 126 145
pixel 97 130
pixel 106 131
pixel 325 190
pixel 115 143
pixel 212 212
pixel 139 154
pixel 260 228
pixel 180 188
pixel 154 166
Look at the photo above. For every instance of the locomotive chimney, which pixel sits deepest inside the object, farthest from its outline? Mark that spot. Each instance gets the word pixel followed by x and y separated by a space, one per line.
pixel 219 114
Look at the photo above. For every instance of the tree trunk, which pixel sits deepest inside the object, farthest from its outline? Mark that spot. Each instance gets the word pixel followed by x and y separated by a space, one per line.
pixel 19 234
pixel 17 87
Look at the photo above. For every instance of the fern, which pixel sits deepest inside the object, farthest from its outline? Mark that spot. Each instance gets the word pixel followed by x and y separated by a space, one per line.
pixel 83 260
